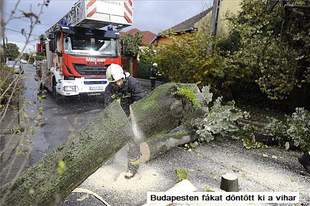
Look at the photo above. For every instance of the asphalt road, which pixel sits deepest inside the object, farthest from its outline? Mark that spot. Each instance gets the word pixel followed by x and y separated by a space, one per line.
pixel 58 121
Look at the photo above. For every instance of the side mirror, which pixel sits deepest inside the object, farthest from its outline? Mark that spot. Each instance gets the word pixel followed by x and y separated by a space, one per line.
pixel 52 45
pixel 123 43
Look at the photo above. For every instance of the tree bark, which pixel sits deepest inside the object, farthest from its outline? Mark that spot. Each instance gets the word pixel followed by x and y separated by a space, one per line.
pixel 52 178
pixel 229 183
pixel 49 181
pixel 158 115
pixel 161 143
pixel 165 109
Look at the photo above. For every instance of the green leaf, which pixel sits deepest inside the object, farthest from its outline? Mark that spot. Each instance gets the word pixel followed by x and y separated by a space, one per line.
pixel 61 167
pixel 182 174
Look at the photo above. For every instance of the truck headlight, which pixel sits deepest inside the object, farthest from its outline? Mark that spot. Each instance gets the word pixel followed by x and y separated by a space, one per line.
pixel 70 88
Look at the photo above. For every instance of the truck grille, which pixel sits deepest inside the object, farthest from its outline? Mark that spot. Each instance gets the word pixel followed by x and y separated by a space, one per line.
pixel 82 69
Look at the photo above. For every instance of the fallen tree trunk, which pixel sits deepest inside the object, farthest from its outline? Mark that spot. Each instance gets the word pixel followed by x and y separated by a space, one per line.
pixel 161 143
pixel 157 115
pixel 166 108
pixel 51 179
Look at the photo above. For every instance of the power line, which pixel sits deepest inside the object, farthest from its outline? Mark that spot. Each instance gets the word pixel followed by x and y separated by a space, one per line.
pixel 13 30
pixel 20 18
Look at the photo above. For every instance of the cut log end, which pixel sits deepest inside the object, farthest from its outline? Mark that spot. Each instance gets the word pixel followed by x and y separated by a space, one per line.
pixel 145 152
pixel 229 183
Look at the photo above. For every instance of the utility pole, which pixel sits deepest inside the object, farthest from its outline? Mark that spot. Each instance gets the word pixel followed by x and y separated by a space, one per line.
pixel 215 20
pixel 2 57
pixel 215 17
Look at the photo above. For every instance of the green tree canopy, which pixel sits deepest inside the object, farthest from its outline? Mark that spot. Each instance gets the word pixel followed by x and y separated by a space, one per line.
pixel 133 41
pixel 11 51
pixel 274 45
pixel 189 58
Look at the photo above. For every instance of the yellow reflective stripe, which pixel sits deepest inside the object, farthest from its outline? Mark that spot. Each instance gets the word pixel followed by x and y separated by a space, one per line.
pixel 134 162
pixel 128 95
pixel 119 101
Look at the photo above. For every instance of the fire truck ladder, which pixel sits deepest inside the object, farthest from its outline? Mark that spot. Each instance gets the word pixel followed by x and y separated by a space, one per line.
pixel 77 17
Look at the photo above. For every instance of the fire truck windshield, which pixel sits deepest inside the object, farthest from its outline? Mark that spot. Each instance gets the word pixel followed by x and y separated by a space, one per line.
pixel 91 46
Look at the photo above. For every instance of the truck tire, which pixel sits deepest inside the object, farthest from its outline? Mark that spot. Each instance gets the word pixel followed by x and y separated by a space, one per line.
pixel 58 97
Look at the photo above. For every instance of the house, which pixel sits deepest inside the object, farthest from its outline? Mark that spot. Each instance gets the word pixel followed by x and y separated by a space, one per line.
pixel 211 20
pixel 220 8
pixel 147 38
pixel 198 22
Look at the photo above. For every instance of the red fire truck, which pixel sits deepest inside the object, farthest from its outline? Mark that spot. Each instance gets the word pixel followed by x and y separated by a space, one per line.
pixel 81 46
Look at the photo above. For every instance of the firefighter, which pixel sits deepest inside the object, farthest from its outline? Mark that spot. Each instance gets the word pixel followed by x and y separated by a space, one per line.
pixel 126 90
pixel 122 87
pixel 305 161
pixel 153 74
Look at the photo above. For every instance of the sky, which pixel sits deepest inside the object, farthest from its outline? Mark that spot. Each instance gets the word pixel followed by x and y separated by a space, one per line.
pixel 149 15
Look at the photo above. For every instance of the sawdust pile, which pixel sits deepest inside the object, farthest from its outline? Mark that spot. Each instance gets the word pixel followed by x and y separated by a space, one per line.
pixel 147 179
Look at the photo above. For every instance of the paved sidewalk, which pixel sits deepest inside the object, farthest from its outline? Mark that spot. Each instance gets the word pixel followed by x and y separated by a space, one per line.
pixel 14 145
pixel 146 84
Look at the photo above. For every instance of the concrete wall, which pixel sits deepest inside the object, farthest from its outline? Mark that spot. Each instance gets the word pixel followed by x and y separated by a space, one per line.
pixel 204 24
pixel 231 6
pixel 163 40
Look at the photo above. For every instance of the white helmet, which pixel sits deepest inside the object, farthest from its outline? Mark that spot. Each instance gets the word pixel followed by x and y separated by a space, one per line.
pixel 155 65
pixel 115 72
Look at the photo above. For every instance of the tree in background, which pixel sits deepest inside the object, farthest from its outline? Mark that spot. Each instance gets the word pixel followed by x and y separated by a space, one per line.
pixel 273 46
pixel 133 41
pixel 11 51
pixel 190 59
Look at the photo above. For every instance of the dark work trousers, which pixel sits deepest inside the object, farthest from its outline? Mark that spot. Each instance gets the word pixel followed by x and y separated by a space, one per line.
pixel 133 158
pixel 153 82
pixel 133 153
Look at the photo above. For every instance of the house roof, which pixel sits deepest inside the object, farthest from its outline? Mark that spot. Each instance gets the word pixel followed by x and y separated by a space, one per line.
pixel 147 36
pixel 188 24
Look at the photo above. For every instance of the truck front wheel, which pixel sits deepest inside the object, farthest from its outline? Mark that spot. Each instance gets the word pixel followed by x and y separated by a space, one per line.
pixel 58 97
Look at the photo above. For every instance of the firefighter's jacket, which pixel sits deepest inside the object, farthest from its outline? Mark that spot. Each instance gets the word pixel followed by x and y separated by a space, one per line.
pixel 128 94
pixel 153 73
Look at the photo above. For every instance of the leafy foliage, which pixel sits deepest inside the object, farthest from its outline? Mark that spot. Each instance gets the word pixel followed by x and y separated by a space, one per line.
pixel 10 84
pixel 182 174
pixel 252 144
pixel 133 41
pixel 188 58
pixel 295 128
pixel 273 40
pixel 220 120
pixel 190 95
pixel 11 51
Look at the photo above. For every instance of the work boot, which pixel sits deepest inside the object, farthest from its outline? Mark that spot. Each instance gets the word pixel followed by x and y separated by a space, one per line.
pixel 133 166
pixel 305 161
pixel 133 155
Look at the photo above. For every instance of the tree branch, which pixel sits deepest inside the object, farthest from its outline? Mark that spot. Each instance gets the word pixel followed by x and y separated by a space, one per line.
pixel 296 7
